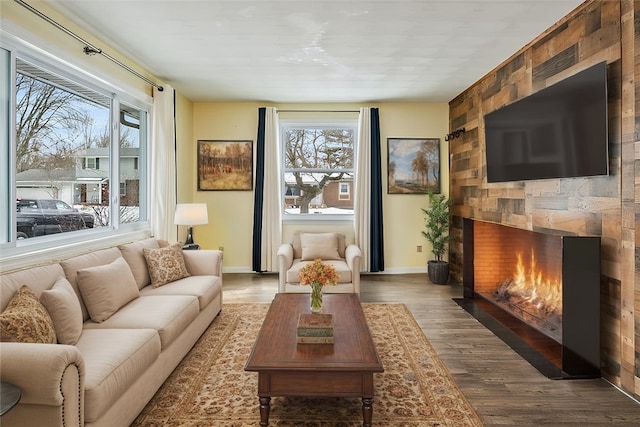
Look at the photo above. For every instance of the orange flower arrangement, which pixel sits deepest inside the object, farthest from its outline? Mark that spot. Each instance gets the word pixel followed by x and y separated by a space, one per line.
pixel 318 273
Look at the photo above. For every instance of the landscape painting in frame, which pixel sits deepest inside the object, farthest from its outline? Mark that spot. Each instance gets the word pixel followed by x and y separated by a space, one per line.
pixel 414 165
pixel 225 165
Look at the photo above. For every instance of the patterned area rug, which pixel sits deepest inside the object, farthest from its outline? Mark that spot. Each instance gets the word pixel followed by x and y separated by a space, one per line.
pixel 210 387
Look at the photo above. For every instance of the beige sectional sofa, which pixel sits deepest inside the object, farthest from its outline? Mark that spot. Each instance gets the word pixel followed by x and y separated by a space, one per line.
pixel 128 338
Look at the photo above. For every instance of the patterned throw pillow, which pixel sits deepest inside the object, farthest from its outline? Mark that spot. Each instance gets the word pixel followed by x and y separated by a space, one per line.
pixel 165 264
pixel 26 320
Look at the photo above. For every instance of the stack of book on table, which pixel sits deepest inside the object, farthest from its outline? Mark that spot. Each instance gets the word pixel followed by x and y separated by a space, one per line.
pixel 315 329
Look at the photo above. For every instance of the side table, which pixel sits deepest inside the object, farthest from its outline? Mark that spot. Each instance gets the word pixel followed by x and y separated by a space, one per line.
pixel 9 397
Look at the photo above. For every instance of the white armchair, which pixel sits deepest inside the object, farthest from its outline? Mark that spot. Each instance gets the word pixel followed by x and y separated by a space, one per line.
pixel 332 249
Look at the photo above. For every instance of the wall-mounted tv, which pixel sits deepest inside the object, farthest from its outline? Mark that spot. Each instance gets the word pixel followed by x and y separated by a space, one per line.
pixel 557 132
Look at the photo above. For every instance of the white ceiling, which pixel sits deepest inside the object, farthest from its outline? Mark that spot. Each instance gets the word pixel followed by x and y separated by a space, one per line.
pixel 317 50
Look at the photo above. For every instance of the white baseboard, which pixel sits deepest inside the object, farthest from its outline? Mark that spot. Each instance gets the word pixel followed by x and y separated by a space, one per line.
pixel 395 270
pixel 236 269
pixel 403 270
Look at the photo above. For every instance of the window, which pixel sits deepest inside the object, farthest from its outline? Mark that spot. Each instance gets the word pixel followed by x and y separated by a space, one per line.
pixel 6 162
pixel 344 192
pixel 318 163
pixel 70 132
pixel 132 136
pixel 91 163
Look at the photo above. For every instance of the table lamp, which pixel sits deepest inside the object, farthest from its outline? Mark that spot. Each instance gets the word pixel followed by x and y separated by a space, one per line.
pixel 191 214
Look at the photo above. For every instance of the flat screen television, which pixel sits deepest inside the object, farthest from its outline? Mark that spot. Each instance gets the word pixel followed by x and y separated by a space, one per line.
pixel 557 132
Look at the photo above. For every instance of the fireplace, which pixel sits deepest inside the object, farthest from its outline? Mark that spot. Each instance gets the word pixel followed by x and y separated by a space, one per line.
pixel 542 287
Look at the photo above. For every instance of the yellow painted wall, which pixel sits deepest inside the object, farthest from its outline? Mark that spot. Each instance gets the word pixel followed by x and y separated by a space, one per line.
pixel 403 219
pixel 231 212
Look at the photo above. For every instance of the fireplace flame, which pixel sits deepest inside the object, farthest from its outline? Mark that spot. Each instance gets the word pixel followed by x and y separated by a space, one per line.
pixel 530 285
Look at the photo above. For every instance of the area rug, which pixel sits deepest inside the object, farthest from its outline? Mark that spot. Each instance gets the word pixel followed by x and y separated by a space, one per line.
pixel 210 387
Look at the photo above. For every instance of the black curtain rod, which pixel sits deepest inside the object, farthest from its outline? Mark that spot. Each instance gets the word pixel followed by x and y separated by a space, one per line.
pixel 318 111
pixel 89 49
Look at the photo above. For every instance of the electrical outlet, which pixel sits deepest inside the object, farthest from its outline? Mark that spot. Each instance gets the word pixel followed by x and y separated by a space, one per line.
pixel 221 248
pixel 419 248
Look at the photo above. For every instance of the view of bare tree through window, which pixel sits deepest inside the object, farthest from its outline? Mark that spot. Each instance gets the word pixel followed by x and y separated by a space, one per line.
pixel 318 169
pixel 63 153
pixel 46 120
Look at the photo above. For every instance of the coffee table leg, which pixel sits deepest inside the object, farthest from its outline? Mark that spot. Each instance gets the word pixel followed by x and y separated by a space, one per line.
pixel 367 411
pixel 264 410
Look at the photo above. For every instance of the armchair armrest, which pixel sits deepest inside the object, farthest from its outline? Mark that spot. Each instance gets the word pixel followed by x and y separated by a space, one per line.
pixel 285 261
pixel 353 257
pixel 204 262
pixel 47 375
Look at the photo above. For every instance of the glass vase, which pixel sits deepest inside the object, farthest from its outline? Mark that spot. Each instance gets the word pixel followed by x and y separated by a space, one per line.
pixel 316 298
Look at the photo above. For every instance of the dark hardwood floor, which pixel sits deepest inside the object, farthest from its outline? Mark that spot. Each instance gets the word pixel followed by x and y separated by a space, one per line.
pixel 504 388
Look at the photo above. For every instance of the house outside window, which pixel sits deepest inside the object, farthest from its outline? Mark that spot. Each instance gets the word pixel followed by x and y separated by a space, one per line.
pixel 318 160
pixel 71 131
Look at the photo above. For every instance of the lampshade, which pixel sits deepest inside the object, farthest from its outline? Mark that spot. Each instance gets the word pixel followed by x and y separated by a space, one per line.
pixel 191 214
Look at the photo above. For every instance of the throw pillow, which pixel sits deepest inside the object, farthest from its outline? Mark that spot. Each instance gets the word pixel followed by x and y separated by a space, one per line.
pixel 319 245
pixel 132 253
pixel 106 288
pixel 63 306
pixel 26 320
pixel 165 264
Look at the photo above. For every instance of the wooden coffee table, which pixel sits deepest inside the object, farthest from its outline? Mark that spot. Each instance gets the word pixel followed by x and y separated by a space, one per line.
pixel 344 368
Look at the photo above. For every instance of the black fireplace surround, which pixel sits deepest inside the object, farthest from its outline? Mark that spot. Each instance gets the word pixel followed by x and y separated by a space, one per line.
pixel 578 349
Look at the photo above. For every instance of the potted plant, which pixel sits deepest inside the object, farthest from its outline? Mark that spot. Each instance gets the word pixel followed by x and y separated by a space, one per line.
pixel 437 234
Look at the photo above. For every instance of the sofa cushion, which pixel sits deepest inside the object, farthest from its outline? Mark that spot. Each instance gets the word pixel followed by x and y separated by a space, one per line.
pixel 106 288
pixel 63 306
pixel 167 314
pixel 91 259
pixel 132 253
pixel 114 359
pixel 297 245
pixel 319 245
pixel 38 278
pixel 165 264
pixel 26 320
pixel 344 274
pixel 205 288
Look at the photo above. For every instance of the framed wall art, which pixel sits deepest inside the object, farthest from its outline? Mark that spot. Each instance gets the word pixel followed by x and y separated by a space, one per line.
pixel 225 165
pixel 413 165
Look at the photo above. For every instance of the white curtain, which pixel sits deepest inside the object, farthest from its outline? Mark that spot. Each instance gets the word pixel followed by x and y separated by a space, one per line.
pixel 163 165
pixel 362 204
pixel 271 213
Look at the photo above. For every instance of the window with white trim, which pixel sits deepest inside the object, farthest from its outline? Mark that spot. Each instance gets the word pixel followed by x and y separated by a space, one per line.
pixel 75 140
pixel 345 191
pixel 91 163
pixel 318 161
